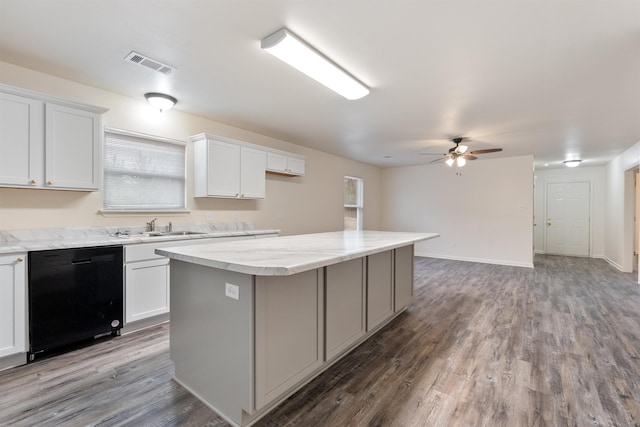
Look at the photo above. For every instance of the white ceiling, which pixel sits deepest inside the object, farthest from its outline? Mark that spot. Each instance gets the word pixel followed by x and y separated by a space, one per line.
pixel 555 79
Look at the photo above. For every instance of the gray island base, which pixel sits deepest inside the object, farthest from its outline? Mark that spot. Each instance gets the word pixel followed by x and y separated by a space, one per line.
pixel 254 321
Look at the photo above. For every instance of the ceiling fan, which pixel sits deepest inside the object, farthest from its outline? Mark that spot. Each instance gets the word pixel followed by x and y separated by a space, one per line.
pixel 459 153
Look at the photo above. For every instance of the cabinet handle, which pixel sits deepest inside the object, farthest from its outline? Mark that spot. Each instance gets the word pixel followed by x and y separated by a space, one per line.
pixel 50 182
pixel 237 194
pixel 242 195
pixel 19 259
pixel 33 181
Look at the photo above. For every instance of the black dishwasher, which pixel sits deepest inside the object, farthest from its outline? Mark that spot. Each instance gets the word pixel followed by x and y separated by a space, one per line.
pixel 74 294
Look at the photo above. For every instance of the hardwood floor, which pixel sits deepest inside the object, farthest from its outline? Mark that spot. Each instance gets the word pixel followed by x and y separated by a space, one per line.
pixel 481 345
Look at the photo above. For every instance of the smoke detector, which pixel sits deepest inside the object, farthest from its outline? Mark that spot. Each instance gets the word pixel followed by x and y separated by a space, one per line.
pixel 140 59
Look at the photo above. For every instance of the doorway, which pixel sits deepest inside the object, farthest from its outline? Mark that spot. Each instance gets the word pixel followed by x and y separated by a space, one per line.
pixel 567 226
pixel 636 246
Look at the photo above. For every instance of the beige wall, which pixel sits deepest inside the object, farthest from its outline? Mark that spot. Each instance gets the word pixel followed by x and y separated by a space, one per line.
pixel 620 209
pixel 295 205
pixel 483 211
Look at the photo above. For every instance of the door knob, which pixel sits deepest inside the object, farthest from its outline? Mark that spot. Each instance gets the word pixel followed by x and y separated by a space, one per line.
pixel 19 260
pixel 50 182
pixel 33 181
pixel 548 222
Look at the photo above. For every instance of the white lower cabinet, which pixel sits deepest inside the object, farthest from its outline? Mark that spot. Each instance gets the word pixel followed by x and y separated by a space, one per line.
pixel 147 290
pixel 13 304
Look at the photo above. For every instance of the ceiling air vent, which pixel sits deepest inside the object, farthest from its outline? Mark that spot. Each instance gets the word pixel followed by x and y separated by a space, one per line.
pixel 140 59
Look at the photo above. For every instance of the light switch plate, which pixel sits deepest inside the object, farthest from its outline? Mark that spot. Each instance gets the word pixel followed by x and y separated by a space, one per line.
pixel 232 291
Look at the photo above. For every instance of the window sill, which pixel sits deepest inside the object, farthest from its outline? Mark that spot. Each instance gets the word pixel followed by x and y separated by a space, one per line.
pixel 166 212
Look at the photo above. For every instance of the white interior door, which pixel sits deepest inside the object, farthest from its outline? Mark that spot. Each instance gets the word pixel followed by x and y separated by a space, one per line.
pixel 567 222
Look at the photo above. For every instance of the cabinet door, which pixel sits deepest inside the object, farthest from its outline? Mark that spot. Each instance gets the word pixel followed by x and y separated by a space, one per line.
pixel 21 141
pixel 223 169
pixel 345 298
pixel 295 166
pixel 288 332
pixel 379 288
pixel 72 148
pixel 147 289
pixel 252 168
pixel 13 291
pixel 276 162
pixel 403 277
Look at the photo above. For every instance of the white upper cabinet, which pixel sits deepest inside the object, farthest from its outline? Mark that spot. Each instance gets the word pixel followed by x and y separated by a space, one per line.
pixel 21 141
pixel 253 163
pixel 225 168
pixel 73 148
pixel 49 143
pixel 285 164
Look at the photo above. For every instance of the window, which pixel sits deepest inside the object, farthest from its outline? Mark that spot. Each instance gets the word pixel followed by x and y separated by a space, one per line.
pixel 353 203
pixel 143 173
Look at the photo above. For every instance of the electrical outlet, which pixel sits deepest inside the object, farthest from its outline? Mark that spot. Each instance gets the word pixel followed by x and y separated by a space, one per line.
pixel 210 216
pixel 232 291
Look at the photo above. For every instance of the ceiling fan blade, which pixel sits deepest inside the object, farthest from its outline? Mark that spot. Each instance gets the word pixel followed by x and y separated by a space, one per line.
pixel 437 160
pixel 468 157
pixel 431 154
pixel 488 150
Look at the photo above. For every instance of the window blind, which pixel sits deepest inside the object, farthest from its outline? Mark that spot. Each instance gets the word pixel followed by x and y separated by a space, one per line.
pixel 142 173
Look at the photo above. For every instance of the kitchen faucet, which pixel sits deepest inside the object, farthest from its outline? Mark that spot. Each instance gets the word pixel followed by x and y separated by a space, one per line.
pixel 151 225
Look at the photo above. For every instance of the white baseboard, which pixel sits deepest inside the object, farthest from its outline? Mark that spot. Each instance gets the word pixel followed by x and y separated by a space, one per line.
pixel 480 260
pixel 613 263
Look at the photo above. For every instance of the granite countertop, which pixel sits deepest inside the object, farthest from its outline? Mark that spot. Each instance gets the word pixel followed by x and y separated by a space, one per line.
pixel 288 255
pixel 12 241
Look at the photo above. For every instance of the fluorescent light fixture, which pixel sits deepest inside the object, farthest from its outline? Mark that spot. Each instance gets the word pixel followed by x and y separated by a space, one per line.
pixel 572 163
pixel 160 101
pixel 289 48
pixel 449 162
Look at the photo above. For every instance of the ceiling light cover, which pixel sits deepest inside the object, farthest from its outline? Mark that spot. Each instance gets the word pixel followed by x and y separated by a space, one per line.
pixel 461 161
pixel 160 101
pixel 289 48
pixel 572 163
pixel 449 161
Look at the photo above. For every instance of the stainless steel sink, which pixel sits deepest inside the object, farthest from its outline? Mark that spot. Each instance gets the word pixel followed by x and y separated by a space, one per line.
pixel 159 234
pixel 180 233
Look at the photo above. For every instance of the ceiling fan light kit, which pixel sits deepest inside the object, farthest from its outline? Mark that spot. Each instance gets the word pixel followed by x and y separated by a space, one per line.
pixel 459 154
pixel 289 48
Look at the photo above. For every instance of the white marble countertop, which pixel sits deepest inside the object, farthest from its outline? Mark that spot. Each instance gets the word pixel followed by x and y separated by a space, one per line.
pixel 283 256
pixel 17 241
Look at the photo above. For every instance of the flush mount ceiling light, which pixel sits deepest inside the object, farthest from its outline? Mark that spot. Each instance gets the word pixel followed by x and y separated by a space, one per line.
pixel 289 48
pixel 160 101
pixel 572 163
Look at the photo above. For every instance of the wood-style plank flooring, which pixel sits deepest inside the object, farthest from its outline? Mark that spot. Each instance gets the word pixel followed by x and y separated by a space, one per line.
pixel 481 345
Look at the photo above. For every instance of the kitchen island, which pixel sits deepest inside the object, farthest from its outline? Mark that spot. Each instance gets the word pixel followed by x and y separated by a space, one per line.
pixel 252 322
